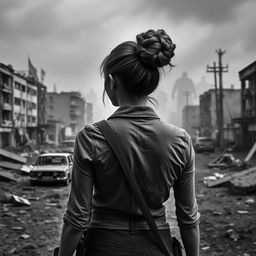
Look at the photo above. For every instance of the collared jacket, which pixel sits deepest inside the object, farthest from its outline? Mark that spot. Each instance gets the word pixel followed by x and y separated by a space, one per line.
pixel 160 154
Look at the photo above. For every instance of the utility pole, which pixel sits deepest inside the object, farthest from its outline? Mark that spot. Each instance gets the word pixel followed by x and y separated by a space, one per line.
pixel 221 115
pixel 213 69
pixel 187 94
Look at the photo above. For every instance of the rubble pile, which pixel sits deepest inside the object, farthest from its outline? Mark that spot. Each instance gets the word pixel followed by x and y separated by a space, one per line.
pixel 242 181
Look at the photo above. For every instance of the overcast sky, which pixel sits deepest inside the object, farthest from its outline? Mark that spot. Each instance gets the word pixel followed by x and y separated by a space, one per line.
pixel 70 38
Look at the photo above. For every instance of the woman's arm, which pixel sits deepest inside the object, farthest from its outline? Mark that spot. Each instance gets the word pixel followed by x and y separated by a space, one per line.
pixel 69 240
pixel 186 204
pixel 191 240
pixel 78 213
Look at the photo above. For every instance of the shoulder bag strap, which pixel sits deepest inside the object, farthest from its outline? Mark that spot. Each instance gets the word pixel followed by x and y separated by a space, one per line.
pixel 118 151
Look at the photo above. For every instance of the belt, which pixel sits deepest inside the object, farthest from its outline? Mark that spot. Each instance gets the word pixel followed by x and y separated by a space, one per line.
pixel 114 220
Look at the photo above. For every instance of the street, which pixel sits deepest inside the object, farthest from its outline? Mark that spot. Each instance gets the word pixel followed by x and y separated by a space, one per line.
pixel 227 221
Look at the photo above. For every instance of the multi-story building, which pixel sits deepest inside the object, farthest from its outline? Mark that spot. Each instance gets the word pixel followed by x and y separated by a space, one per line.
pixel 247 119
pixel 22 108
pixel 208 117
pixel 64 110
pixel 89 113
pixel 190 119
pixel 41 128
pixel 6 106
pixel 25 109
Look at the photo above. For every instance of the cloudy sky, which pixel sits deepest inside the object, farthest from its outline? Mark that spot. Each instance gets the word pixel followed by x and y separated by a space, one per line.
pixel 70 38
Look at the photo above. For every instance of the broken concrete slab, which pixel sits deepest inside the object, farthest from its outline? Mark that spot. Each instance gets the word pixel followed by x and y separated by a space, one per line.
pixel 9 156
pixel 244 184
pixel 23 169
pixel 9 176
pixel 10 165
pixel 227 178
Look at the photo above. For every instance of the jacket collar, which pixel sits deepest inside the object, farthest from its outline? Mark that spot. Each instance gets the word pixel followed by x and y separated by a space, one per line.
pixel 144 112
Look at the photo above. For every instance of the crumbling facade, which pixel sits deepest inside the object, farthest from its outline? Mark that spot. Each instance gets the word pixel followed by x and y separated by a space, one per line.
pixel 247 119
pixel 65 110
pixel 21 108
pixel 208 113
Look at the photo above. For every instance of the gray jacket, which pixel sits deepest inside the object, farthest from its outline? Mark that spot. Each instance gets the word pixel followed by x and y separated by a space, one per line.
pixel 161 156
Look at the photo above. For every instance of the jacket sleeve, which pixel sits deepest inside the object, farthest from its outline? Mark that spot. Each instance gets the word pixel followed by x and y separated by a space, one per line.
pixel 78 210
pixel 184 190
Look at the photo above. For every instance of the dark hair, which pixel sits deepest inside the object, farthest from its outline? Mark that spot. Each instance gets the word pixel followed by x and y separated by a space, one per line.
pixel 137 64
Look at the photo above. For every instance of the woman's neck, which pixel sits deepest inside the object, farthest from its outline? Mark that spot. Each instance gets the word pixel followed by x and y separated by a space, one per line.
pixel 132 101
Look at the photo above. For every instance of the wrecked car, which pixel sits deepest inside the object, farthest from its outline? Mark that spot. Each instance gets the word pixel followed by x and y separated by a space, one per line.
pixel 204 144
pixel 52 167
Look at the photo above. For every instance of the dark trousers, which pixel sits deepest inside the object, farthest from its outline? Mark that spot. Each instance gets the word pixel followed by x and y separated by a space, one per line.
pixel 110 242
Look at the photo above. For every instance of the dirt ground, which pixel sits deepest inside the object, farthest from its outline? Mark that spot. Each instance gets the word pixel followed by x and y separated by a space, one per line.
pixel 228 223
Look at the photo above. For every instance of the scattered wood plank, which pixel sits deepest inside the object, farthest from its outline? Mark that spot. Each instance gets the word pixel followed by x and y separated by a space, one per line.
pixel 227 178
pixel 250 153
pixel 8 176
pixel 9 156
pixel 10 165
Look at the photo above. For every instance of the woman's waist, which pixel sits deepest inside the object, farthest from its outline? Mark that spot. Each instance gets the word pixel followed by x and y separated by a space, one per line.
pixel 119 220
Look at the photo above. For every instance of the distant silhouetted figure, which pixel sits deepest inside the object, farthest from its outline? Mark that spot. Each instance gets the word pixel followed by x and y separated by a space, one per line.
pixel 184 87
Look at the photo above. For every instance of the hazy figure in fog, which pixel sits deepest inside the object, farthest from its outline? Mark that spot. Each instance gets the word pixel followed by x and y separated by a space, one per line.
pixel 185 88
pixel 203 86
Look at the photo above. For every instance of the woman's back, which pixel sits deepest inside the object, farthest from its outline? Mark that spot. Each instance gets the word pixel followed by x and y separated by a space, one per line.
pixel 156 152
pixel 160 155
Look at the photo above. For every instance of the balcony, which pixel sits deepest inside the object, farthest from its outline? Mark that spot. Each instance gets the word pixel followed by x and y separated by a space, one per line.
pixel 74 112
pixel 6 88
pixel 7 123
pixel 7 106
pixel 74 103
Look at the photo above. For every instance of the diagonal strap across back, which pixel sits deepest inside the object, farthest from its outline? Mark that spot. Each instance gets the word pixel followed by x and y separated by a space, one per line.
pixel 118 151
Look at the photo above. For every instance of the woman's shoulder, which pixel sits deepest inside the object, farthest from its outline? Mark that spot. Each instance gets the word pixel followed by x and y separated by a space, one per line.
pixel 175 131
pixel 89 132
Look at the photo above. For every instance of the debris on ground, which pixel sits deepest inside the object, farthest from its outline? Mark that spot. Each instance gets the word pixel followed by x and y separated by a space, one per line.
pixel 232 234
pixel 242 212
pixel 243 184
pixel 216 176
pixel 19 200
pixel 8 176
pixel 225 161
pixel 250 201
pixel 8 198
pixel 25 236
pixel 239 178
pixel 23 169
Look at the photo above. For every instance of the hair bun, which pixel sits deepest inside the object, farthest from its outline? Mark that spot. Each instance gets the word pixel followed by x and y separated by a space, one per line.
pixel 155 48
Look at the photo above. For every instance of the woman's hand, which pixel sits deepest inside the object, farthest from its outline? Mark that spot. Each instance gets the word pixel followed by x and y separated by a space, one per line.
pixel 69 240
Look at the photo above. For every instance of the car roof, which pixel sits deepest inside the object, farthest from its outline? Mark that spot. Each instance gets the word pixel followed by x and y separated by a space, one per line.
pixel 55 154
